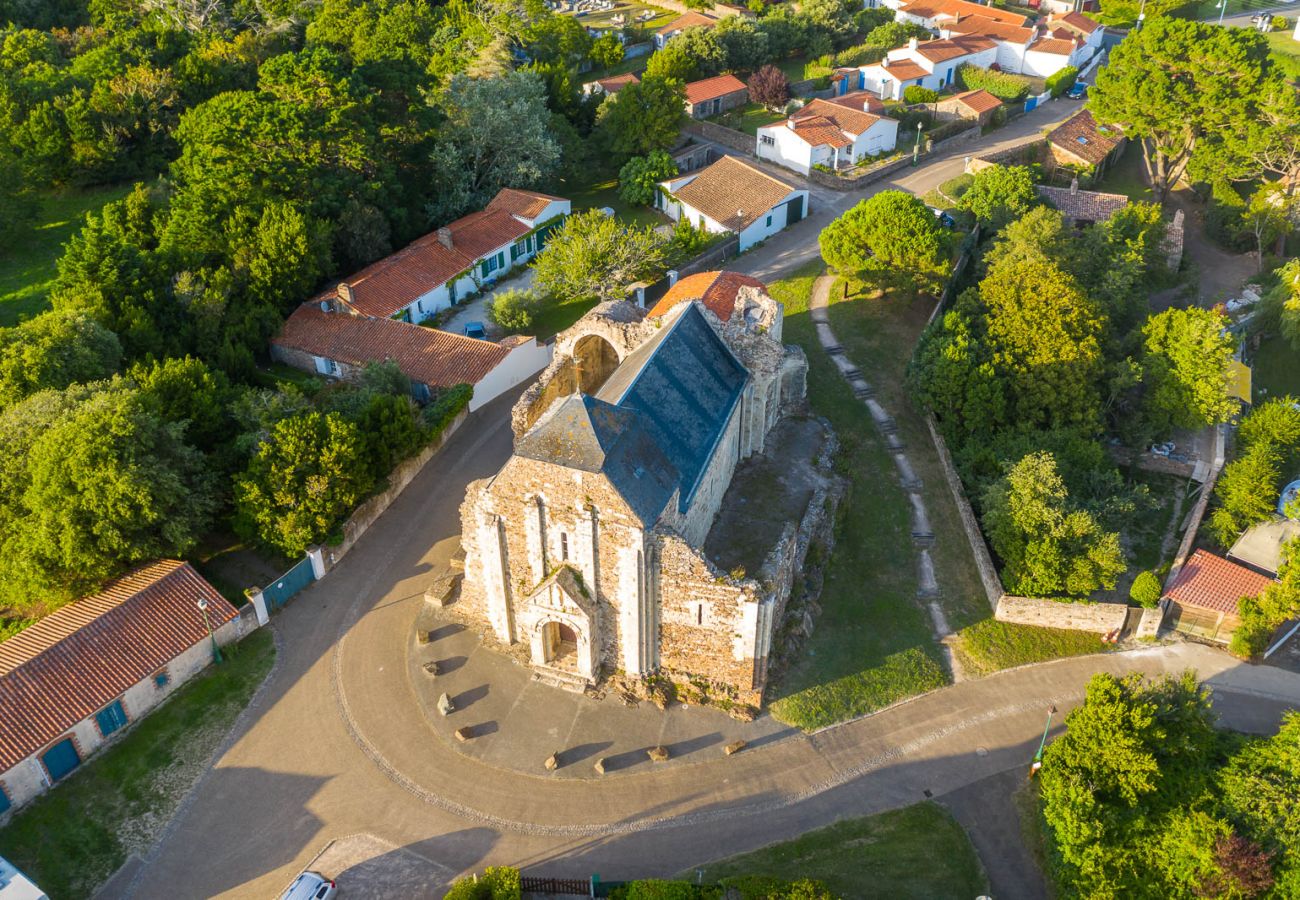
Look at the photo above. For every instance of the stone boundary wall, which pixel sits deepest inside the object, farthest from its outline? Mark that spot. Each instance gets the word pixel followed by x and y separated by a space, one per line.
pixel 1151 463
pixel 880 170
pixel 720 134
pixel 403 474
pixel 717 11
pixel 1097 617
pixel 983 558
pixel 1017 155
pixel 712 258
pixel 1198 511
pixel 1149 625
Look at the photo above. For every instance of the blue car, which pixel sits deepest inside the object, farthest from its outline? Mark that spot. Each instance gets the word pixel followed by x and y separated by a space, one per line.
pixel 476 330
pixel 1077 91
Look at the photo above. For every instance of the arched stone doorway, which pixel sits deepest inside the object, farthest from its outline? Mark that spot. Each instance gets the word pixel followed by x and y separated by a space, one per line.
pixel 560 645
pixel 595 360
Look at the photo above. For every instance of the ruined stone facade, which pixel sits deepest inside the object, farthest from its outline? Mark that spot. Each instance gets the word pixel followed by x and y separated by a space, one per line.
pixel 586 548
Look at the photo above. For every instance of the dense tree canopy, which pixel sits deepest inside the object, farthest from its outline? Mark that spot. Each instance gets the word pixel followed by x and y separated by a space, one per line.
pixel 890 239
pixel 54 350
pixel 595 257
pixel 1187 356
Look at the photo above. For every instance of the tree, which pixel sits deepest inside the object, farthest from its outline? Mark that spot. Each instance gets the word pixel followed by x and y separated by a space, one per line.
pixel 513 310
pixel 186 392
pixel 998 195
pixel 1146 589
pixel 952 374
pixel 1124 13
pixel 674 62
pixel 302 482
pixel 1186 369
pixel 595 257
pixel 744 44
pixel 496 135
pixel 833 18
pixel 496 883
pixel 639 178
pixel 1174 81
pixel 1247 489
pixel 1285 301
pixel 914 93
pixel 642 117
pixel 890 239
pixel 1047 547
pixel 54 350
pixel 770 87
pixel 1270 215
pixel 104 486
pixel 607 50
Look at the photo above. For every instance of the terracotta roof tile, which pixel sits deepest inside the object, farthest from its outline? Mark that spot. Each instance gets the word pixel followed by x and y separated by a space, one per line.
pixel 689 20
pixel 1207 581
pixel 712 88
pixel 1077 22
pixel 1055 46
pixel 979 101
pixel 525 204
pixel 716 290
pixel 78 659
pixel 616 83
pixel 903 70
pixel 955 9
pixel 1082 136
pixel 862 101
pixel 436 358
pixel 992 28
pixel 954 47
pixel 854 121
pixel 733 193
pixel 818 131
pixel 1083 206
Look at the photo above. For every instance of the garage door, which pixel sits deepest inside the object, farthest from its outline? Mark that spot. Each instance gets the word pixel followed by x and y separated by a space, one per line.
pixel 61 759
pixel 794 210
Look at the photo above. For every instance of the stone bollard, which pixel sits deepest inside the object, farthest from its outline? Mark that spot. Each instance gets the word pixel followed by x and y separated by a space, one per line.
pixel 433 669
pixel 734 747
pixel 553 761
pixel 443 590
pixel 464 734
pixel 600 766
pixel 445 706
pixel 421 636
pixel 658 754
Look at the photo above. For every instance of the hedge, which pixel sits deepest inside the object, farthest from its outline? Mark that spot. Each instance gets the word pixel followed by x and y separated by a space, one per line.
pixel 1062 81
pixel 1002 85
pixel 445 407
pixel 914 93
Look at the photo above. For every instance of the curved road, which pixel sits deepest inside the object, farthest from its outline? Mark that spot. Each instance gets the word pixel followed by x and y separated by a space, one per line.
pixel 337 745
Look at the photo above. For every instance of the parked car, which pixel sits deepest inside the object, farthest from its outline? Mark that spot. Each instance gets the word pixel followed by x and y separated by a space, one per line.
pixel 310 886
pixel 476 330
pixel 945 220
pixel 1166 449
pixel 1077 91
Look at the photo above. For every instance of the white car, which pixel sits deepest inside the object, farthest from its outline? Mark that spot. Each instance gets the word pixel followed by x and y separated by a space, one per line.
pixel 310 886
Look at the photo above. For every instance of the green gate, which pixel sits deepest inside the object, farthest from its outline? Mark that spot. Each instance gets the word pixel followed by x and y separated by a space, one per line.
pixel 288 584
pixel 61 759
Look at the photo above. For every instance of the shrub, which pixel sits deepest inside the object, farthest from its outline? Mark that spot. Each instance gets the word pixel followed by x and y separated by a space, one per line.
pixel 513 310
pixel 1002 85
pixel 1145 591
pixel 445 407
pixel 639 178
pixel 914 93
pixel 769 86
pixel 1062 81
pixel 496 883
pixel 1223 218
pixel 1279 23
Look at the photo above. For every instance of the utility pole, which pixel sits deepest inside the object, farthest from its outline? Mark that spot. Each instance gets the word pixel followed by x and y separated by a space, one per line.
pixel 1038 757
pixel 203 608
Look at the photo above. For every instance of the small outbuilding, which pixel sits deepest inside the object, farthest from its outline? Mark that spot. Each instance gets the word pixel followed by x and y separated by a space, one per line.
pixel 979 105
pixel 1204 599
pixel 1080 142
pixel 712 96
pixel 731 196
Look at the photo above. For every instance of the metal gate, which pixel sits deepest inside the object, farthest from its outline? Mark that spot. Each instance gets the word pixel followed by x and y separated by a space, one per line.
pixel 794 211
pixel 288 584
pixel 61 759
pixel 1031 104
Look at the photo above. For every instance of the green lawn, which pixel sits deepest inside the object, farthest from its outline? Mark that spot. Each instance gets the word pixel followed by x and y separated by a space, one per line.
pixel 554 319
pixel 800 69
pixel 872 645
pixel 1286 49
pixel 1125 176
pixel 748 118
pixel 919 851
pixel 75 837
pixel 27 265
pixel 601 190
pixel 1275 370
pixel 991 646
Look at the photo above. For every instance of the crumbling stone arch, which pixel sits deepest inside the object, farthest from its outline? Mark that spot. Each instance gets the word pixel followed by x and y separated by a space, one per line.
pixel 594 360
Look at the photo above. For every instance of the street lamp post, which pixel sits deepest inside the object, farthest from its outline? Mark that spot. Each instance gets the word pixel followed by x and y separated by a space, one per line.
pixel 203 608
pixel 1142 14
pixel 1223 8
pixel 916 149
pixel 1038 757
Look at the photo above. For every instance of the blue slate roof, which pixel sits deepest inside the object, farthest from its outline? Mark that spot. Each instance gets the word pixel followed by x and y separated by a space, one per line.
pixel 653 426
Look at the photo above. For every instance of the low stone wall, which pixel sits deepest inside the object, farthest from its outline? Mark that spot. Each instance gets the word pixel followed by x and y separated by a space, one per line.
pixel 402 475
pixel 712 258
pixel 983 558
pixel 1032 150
pixel 1149 625
pixel 720 134
pixel 1097 617
pixel 861 179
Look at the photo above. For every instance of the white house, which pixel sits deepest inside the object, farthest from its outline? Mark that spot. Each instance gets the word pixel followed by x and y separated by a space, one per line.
pixel 680 24
pixel 436 271
pixel 76 678
pixel 1049 55
pixel 1012 40
pixel 936 14
pixel 324 338
pixel 933 64
pixel 835 133
pixel 1077 26
pixel 733 197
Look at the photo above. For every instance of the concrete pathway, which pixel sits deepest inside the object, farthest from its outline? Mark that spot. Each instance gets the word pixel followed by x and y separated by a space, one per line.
pixel 338 745
pixel 987 810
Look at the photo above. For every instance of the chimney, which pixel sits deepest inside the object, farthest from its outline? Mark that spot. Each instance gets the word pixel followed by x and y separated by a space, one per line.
pixel 884 63
pixel 444 237
pixel 345 292
pixel 911 44
pixel 1074 185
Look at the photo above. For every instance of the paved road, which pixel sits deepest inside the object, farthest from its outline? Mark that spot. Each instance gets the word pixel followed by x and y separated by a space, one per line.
pixel 338 747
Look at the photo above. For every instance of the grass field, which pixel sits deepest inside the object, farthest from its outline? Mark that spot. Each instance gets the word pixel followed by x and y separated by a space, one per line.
pixel 919 851
pixel 27 265
pixel 1125 176
pixel 1286 49
pixel 1275 370
pixel 75 837
pixel 554 319
pixel 990 646
pixel 748 118
pixel 601 190
pixel 872 645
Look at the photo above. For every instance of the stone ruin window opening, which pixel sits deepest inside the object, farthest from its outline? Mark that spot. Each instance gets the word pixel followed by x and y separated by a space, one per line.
pixel 564 546
pixel 595 360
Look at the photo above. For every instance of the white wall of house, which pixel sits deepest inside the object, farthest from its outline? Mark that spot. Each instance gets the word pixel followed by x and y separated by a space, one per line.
pixel 29 779
pixel 522 363
pixel 1009 55
pixel 779 144
pixel 1042 65
pixel 879 81
pixel 775 220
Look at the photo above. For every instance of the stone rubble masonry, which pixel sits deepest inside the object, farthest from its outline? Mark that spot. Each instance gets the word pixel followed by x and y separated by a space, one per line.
pixel 1149 625
pixel 1098 617
pixel 983 558
pixel 1173 243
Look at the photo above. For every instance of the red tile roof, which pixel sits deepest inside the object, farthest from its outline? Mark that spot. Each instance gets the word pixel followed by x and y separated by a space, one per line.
pixel 712 88
pixel 689 20
pixel 850 119
pixel 394 282
pixel 733 193
pixel 992 28
pixel 978 101
pixel 1055 46
pixel 863 101
pixel 716 290
pixel 616 83
pixel 78 659
pixel 436 358
pixel 955 9
pixel 819 131
pixel 1081 136
pixel 1077 22
pixel 954 47
pixel 1207 581
pixel 903 70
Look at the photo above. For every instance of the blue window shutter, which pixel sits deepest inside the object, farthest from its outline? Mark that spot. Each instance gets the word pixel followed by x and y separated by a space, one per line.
pixel 514 252
pixel 4 801
pixel 111 718
pixel 486 267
